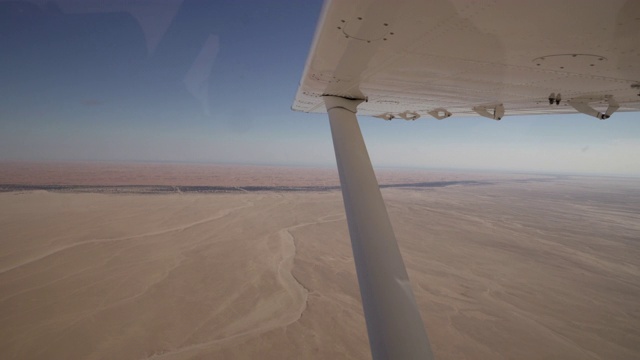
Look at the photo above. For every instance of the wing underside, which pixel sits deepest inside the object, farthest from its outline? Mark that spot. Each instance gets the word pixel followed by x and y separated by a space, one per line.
pixel 411 59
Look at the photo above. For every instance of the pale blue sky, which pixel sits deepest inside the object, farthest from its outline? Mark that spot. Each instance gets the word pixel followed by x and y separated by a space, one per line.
pixel 89 81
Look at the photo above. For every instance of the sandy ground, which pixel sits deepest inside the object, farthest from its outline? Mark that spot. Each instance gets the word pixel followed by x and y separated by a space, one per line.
pixel 513 270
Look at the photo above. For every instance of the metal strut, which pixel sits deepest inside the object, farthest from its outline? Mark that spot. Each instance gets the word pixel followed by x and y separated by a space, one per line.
pixel 394 325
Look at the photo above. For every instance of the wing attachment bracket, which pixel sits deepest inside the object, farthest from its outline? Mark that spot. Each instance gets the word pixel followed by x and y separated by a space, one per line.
pixel 498 111
pixel 386 116
pixel 407 115
pixel 440 113
pixel 581 104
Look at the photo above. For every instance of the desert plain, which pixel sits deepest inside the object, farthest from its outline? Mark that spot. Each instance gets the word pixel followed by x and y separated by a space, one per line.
pixel 160 261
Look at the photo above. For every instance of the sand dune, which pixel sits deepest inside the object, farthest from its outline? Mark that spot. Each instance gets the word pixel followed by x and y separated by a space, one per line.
pixel 511 270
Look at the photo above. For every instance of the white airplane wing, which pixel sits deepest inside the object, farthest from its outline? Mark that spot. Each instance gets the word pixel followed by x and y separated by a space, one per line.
pixel 414 58
pixel 439 57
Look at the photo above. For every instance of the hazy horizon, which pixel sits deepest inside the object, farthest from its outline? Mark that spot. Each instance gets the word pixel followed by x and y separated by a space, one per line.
pixel 323 166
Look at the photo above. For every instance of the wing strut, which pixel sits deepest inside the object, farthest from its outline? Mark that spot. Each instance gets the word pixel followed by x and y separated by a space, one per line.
pixel 393 320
